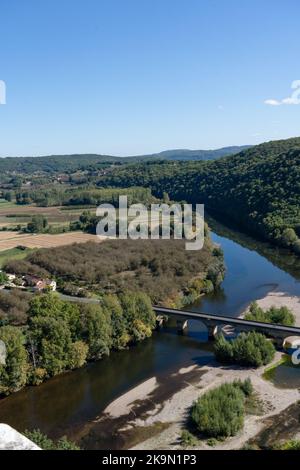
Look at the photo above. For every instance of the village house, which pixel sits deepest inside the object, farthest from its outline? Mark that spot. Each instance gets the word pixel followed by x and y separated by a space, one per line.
pixel 39 284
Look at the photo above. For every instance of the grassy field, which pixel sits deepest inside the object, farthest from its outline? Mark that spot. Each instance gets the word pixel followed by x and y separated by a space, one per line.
pixel 13 253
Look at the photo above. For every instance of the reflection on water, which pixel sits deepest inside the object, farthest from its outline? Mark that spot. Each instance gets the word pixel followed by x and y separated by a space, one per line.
pixel 66 402
pixel 249 276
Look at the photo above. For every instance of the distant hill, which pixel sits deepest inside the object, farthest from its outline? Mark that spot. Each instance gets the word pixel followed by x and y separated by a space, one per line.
pixel 185 154
pixel 55 163
pixel 70 163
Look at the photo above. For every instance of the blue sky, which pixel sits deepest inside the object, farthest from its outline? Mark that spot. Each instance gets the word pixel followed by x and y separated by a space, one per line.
pixel 128 77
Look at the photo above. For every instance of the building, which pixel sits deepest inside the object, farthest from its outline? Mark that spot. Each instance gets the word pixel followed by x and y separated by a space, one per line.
pixel 39 284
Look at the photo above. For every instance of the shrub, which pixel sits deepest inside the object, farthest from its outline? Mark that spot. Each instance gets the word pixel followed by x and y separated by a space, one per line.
pixel 220 412
pixel 188 439
pixel 288 445
pixel 279 315
pixel 45 443
pixel 248 349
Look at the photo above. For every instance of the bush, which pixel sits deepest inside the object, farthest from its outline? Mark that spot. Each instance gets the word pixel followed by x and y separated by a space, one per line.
pixel 279 315
pixel 188 439
pixel 246 387
pixel 288 445
pixel 248 349
pixel 45 443
pixel 220 412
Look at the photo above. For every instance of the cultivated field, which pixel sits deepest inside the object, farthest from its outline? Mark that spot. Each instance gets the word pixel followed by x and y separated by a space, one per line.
pixel 10 240
pixel 12 214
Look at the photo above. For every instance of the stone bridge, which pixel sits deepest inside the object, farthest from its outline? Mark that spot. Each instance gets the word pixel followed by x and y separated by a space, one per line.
pixel 278 332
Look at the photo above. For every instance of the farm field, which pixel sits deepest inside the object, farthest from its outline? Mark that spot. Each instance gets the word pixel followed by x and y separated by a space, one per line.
pixel 12 214
pixel 9 240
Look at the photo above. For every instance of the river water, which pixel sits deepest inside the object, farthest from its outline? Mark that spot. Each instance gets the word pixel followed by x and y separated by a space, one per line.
pixel 66 404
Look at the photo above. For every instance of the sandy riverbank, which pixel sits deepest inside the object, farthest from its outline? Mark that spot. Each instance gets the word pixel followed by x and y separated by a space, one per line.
pixel 175 410
pixel 153 414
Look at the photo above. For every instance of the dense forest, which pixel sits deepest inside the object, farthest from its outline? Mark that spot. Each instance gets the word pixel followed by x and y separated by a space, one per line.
pixel 257 189
pixel 163 269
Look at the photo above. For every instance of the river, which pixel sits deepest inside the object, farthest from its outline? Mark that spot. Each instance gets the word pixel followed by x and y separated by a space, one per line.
pixel 66 404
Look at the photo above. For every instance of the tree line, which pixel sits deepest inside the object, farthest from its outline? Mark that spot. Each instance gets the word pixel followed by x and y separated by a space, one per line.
pixel 82 196
pixel 59 335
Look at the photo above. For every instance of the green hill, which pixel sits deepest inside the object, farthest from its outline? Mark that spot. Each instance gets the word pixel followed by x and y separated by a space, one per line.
pixel 257 189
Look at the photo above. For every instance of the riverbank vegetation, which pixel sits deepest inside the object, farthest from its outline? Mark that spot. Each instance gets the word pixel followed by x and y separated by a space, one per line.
pixel 248 349
pixel 219 413
pixel 58 336
pixel 45 443
pixel 277 315
pixel 163 269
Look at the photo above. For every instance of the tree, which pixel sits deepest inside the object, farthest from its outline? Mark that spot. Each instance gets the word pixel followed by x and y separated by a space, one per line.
pixel 78 354
pixel 52 342
pixel 119 335
pixel 95 330
pixel 13 373
pixel 8 196
pixel 38 224
pixel 289 236
pixel 49 304
pixel 139 315
pixel 3 277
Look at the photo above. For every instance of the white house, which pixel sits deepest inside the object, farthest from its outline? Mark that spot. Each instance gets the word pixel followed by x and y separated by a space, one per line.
pixel 51 284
